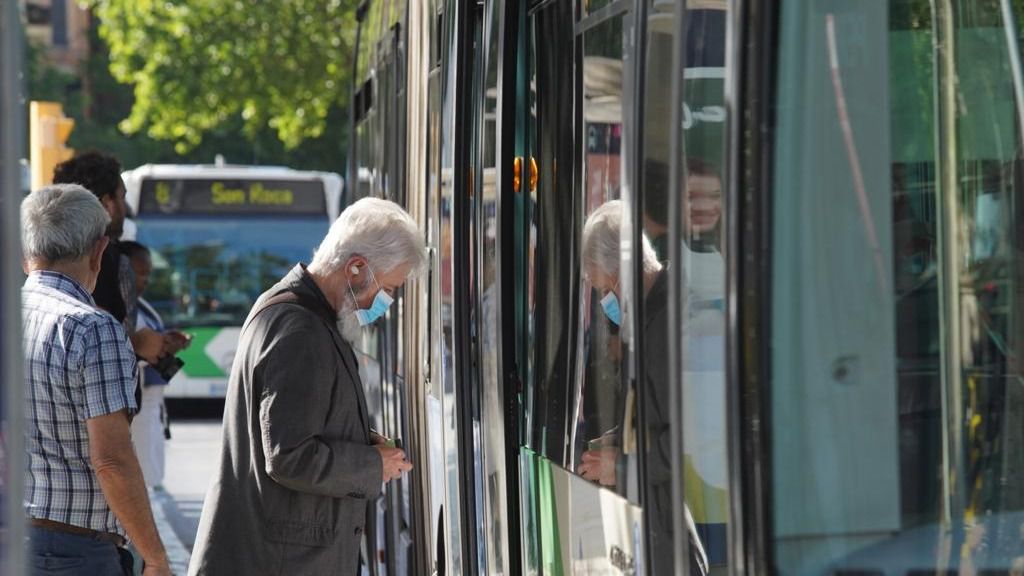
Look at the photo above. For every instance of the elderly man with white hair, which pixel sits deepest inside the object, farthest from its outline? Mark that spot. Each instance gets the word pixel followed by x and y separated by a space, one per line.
pixel 84 490
pixel 299 463
pixel 601 262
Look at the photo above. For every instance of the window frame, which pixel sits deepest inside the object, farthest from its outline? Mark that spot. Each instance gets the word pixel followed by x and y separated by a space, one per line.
pixel 752 54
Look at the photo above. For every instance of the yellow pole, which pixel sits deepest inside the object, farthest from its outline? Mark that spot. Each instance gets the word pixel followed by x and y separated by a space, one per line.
pixel 49 130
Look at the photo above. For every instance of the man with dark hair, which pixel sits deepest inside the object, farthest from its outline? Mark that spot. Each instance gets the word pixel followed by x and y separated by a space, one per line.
pixel 115 288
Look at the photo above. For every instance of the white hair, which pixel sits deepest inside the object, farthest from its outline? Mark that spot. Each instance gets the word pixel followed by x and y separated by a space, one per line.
pixel 601 244
pixel 61 223
pixel 378 230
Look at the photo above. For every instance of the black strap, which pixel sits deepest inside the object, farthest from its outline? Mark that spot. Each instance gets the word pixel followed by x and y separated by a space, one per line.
pixel 349 360
pixel 286 296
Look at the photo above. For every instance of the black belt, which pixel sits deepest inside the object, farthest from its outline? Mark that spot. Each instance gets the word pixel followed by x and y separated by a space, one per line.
pixel 53 525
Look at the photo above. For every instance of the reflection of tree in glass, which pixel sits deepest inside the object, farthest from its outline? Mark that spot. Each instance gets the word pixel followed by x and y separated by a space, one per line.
pixel 212 283
pixel 605 40
pixel 160 292
pixel 272 268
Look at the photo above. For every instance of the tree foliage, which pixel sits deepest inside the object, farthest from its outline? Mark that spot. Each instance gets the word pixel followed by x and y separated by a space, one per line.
pixel 98 103
pixel 202 65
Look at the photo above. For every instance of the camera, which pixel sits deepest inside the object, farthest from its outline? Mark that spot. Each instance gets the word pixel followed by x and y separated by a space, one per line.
pixel 168 366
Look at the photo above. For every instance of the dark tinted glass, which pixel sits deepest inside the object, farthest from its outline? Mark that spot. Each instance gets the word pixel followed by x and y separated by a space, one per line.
pixel 600 397
pixel 553 271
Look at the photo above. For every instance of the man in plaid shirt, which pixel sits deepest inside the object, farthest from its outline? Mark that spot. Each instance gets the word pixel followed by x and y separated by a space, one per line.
pixel 84 489
pixel 115 286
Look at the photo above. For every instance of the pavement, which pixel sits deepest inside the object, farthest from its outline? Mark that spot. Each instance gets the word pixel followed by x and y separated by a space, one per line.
pixel 191 459
pixel 177 553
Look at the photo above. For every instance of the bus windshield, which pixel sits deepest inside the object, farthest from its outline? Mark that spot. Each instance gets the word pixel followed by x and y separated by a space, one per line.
pixel 209 270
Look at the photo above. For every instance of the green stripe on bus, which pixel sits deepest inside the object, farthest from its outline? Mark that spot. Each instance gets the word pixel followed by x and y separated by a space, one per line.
pixel 197 363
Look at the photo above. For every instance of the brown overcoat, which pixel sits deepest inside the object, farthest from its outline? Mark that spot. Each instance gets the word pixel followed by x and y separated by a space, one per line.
pixel 296 467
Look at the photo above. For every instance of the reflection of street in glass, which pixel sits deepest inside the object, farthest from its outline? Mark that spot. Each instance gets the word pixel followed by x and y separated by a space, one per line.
pixel 603 460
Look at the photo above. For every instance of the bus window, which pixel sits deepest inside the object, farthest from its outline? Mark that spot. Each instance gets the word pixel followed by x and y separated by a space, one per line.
pixel 218 241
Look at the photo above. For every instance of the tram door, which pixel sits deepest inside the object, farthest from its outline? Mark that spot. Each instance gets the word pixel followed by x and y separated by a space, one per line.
pixel 578 465
pixel 895 396
pixel 492 98
pixel 679 207
pixel 472 401
pixel 459 217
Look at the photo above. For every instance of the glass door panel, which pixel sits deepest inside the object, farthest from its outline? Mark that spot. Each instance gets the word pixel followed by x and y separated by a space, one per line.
pixel 896 394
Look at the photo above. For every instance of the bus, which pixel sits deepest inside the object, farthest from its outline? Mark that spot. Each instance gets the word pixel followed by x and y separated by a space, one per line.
pixel 220 236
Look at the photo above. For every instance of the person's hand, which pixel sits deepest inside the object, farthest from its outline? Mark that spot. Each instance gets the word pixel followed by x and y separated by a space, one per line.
pixel 393 461
pixel 174 342
pixel 180 340
pixel 377 439
pixel 599 465
pixel 157 569
pixel 148 344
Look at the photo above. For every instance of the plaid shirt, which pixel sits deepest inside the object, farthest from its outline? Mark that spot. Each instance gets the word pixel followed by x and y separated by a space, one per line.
pixel 79 364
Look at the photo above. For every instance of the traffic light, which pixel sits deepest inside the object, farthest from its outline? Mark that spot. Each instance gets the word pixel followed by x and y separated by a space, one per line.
pixel 48 132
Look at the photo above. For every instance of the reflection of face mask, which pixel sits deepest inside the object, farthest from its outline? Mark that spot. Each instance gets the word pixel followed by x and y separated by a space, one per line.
pixel 381 302
pixel 610 305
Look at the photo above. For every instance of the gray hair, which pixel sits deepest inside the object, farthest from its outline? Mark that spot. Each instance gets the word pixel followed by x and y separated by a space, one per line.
pixel 61 223
pixel 378 230
pixel 601 244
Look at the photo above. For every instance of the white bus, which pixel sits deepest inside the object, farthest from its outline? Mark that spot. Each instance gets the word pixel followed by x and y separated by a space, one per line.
pixel 220 236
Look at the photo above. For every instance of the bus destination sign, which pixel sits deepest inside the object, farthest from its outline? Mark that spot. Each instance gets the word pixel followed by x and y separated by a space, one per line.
pixel 210 196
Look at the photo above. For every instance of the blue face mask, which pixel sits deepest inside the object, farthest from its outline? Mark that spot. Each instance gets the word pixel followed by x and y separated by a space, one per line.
pixel 610 305
pixel 381 302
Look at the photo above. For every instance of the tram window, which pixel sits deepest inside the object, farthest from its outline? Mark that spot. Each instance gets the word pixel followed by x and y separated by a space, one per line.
pixel 693 211
pixel 896 390
pixel 552 269
pixel 591 6
pixel 492 386
pixel 601 412
pixel 702 272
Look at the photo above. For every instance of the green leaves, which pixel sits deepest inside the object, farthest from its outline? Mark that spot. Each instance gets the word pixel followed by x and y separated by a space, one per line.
pixel 197 65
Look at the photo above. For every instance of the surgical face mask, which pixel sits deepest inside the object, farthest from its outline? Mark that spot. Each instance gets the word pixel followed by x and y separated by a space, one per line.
pixel 610 305
pixel 381 302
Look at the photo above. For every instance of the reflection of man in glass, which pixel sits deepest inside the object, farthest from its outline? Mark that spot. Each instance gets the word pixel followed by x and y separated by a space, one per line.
pixel 704 334
pixel 601 256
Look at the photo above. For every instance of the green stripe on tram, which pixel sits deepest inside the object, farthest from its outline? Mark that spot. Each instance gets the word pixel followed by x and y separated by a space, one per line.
pixel 551 549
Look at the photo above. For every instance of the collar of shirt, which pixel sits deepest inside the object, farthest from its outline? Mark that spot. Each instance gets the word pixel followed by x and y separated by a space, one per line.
pixel 324 307
pixel 62 283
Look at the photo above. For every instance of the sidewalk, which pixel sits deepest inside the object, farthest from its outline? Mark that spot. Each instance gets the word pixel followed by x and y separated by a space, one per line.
pixel 176 551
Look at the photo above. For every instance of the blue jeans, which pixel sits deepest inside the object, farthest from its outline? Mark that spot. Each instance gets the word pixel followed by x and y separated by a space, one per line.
pixel 54 553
